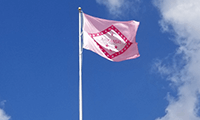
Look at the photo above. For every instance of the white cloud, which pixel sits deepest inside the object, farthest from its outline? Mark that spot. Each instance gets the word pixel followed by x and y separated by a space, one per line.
pixel 119 7
pixel 3 116
pixel 182 17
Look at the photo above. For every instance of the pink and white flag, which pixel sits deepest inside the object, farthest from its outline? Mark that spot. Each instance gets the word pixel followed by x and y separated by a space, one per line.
pixel 113 40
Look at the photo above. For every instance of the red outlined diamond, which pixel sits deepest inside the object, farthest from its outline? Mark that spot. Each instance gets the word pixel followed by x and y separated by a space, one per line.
pixel 111 41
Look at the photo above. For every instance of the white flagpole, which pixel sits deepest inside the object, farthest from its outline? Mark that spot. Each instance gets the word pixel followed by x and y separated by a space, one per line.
pixel 80 70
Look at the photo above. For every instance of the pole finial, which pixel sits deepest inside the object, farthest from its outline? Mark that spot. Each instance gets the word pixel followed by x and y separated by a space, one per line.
pixel 79 8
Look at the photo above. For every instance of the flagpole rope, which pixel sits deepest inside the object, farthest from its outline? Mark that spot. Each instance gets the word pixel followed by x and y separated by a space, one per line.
pixel 80 69
pixel 81 43
pixel 81 34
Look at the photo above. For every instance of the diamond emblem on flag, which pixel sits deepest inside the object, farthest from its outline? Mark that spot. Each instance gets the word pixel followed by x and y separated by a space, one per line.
pixel 111 41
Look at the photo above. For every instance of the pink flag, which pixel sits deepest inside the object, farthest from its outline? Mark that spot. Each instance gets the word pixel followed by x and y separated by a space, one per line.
pixel 113 40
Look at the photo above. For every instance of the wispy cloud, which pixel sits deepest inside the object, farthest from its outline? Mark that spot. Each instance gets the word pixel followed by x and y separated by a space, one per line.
pixel 3 116
pixel 119 7
pixel 2 103
pixel 182 18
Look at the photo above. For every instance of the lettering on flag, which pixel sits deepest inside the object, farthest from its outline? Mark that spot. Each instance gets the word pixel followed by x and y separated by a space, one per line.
pixel 111 41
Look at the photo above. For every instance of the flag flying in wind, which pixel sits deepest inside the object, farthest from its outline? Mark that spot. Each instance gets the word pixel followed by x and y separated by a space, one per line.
pixel 113 40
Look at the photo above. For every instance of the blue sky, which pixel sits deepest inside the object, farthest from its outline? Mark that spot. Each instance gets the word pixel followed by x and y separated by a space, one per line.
pixel 39 62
